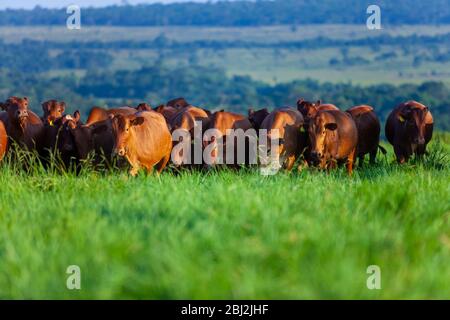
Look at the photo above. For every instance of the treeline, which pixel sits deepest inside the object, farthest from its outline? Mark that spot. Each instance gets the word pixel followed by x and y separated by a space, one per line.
pixel 211 88
pixel 242 13
pixel 39 56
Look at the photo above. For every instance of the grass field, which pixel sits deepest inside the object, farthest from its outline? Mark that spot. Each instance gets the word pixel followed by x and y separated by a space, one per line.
pixel 225 234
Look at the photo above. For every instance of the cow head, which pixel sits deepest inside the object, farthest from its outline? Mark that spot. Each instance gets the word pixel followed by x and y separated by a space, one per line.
pixel 17 109
pixel 323 136
pixel 122 128
pixel 413 120
pixel 308 109
pixel 256 118
pixel 53 110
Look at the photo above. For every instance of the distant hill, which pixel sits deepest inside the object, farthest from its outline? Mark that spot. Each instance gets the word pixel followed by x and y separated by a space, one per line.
pixel 243 13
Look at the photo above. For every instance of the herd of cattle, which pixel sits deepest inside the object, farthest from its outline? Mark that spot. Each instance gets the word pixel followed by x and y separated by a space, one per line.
pixel 316 134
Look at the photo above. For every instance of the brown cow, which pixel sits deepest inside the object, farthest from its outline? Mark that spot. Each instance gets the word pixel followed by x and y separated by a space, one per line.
pixel 53 110
pixel 222 121
pixel 286 124
pixel 333 137
pixel 310 109
pixel 409 128
pixel 256 118
pixel 187 119
pixel 3 140
pixel 368 126
pixel 143 139
pixel 100 114
pixel 22 125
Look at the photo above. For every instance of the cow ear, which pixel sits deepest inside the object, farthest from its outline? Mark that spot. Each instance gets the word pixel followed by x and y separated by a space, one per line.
pixel 318 103
pixel 45 107
pixel 137 121
pixel 2 106
pixel 77 116
pixel 160 108
pixel 250 112
pixel 331 126
pixel 63 106
pixel 25 98
pixel 403 116
pixel 300 102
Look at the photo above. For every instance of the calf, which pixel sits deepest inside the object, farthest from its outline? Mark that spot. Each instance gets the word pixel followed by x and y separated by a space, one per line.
pixel 409 128
pixel 143 139
pixel 368 126
pixel 333 138
pixel 286 123
pixel 53 110
pixel 22 125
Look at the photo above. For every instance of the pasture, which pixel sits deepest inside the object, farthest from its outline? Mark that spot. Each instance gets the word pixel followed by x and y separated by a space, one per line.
pixel 228 235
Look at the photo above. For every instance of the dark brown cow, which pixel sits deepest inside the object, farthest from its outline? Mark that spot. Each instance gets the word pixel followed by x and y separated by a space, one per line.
pixel 409 128
pixel 177 103
pixel 3 140
pixel 100 114
pixel 221 121
pixel 53 110
pixel 369 128
pixel 285 123
pixel 256 118
pixel 22 125
pixel 333 137
pixel 167 112
pixel 143 139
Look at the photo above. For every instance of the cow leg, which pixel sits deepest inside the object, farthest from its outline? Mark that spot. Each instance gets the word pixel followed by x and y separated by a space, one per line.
pixel 373 156
pixel 361 160
pixel 290 162
pixel 134 171
pixel 351 161
pixel 163 163
pixel 401 159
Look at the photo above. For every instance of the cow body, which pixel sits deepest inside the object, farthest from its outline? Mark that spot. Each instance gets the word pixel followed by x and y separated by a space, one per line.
pixel 285 124
pixel 143 139
pixel 256 118
pixel 369 128
pixel 3 140
pixel 409 128
pixel 333 138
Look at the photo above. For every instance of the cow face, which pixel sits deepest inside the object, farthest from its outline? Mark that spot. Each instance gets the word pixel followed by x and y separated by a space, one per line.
pixel 68 132
pixel 123 128
pixel 413 121
pixel 308 109
pixel 17 109
pixel 256 118
pixel 53 110
pixel 322 133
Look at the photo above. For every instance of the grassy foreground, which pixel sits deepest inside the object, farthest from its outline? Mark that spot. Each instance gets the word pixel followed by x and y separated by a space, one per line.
pixel 228 235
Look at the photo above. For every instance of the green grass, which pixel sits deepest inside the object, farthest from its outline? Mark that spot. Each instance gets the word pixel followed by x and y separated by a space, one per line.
pixel 228 235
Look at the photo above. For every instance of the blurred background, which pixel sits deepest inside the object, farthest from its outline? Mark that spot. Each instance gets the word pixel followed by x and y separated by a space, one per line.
pixel 228 54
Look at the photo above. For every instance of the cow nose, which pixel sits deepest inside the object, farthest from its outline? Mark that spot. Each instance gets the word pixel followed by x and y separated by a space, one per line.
pixel 315 155
pixel 421 141
pixel 22 113
pixel 121 152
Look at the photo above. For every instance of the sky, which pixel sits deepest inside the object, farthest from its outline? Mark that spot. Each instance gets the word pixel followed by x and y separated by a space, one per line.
pixel 29 4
